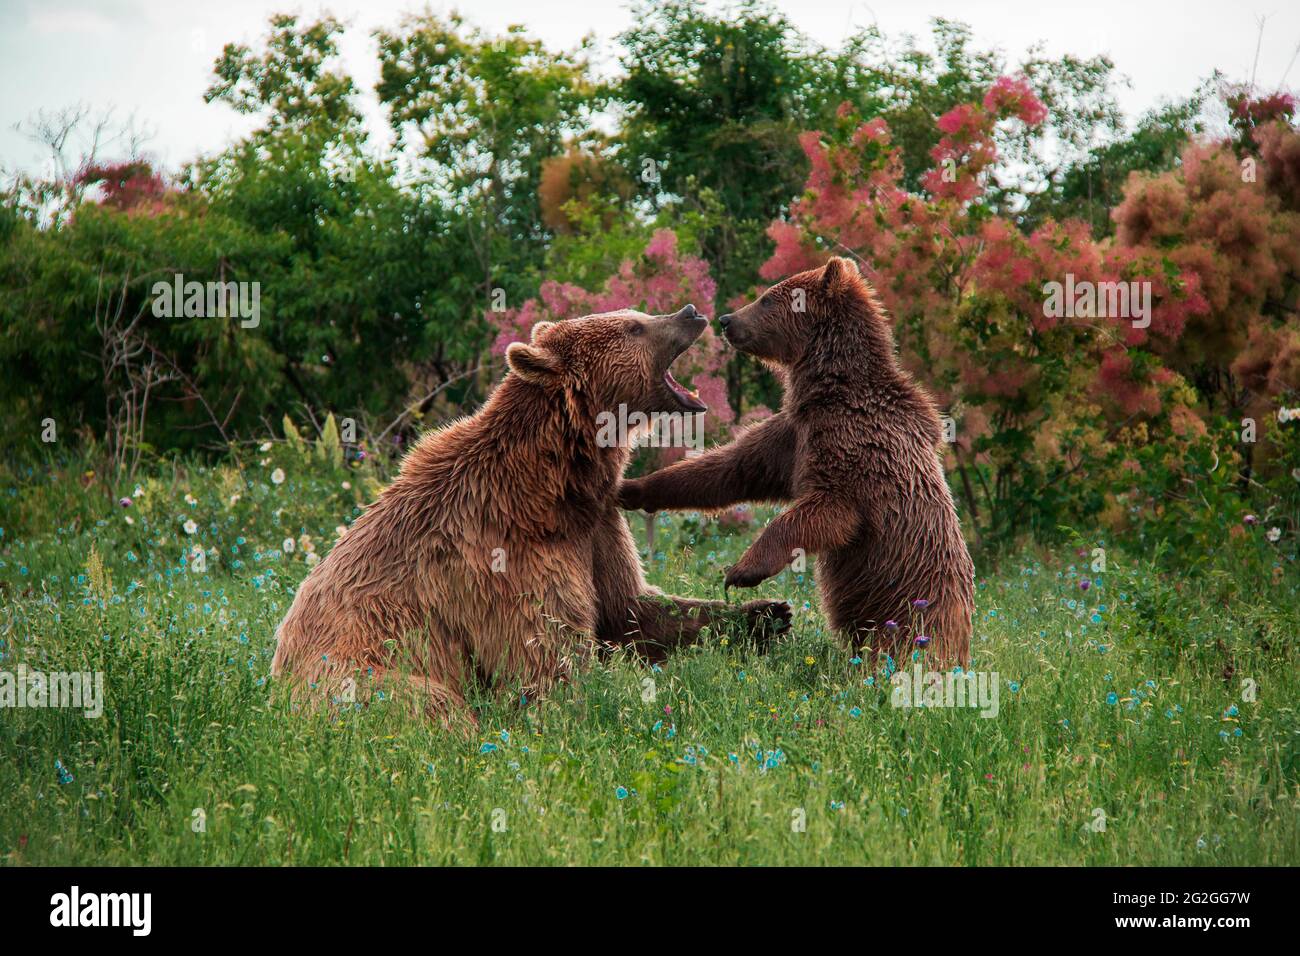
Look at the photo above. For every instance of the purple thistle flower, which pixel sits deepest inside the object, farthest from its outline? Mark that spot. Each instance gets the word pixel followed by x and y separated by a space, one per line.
pixel 922 640
pixel 1085 584
pixel 891 625
pixel 921 603
pixel 124 502
pixel 1249 519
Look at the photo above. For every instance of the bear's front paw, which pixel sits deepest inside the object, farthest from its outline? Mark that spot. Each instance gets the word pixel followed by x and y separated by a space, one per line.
pixel 631 497
pixel 745 574
pixel 767 619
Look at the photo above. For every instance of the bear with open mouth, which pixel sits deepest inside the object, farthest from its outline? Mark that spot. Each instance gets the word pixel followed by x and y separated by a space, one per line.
pixel 499 554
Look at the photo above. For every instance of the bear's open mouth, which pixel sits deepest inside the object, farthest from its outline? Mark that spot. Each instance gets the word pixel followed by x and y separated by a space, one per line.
pixel 685 397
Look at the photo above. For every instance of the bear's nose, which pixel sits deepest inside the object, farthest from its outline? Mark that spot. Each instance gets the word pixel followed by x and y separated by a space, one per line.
pixel 688 313
pixel 724 321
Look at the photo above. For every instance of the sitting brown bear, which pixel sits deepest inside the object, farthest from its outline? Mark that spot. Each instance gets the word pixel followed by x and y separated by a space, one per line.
pixel 499 553
pixel 855 448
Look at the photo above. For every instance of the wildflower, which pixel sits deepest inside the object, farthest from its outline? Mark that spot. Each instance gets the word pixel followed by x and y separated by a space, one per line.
pixel 189 526
pixel 921 603
pixel 1085 584
pixel 277 476
pixel 287 545
pixel 1249 520
pixel 922 640
pixel 1112 698
pixel 124 502
pixel 621 793
pixel 891 625
pixel 810 660
pixel 190 499
pixel 1273 534
pixel 264 447
pixel 1014 687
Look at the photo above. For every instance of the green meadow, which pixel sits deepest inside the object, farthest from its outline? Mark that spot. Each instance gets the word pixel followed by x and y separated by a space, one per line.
pixel 1146 718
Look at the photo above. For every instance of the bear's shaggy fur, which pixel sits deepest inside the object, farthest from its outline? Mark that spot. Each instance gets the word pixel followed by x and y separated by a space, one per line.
pixel 499 554
pixel 855 448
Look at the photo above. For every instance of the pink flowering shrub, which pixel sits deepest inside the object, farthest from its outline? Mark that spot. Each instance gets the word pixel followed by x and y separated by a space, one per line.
pixel 1063 408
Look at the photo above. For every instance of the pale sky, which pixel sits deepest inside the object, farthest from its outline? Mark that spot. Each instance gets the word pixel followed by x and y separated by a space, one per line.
pixel 153 59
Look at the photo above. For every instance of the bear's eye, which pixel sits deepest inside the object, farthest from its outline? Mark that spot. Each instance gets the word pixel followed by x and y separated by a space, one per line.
pixel 635 328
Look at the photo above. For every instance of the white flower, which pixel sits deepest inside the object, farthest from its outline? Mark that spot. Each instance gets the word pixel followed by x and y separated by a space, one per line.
pixel 265 446
pixel 307 544
pixel 347 486
pixel 138 492
pixel 1273 534
pixel 190 527
pixel 189 499
pixel 277 476
pixel 1295 473
pixel 288 545
pixel 130 520
pixel 234 500
pixel 312 559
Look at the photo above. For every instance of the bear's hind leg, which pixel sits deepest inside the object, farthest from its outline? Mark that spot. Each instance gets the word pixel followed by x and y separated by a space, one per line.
pixel 655 624
pixel 429 697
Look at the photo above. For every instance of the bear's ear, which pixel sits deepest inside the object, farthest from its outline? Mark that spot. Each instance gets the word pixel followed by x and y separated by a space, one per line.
pixel 538 329
pixel 838 270
pixel 532 363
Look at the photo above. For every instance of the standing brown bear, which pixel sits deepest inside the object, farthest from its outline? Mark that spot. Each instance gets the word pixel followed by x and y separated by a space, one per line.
pixel 855 448
pixel 499 554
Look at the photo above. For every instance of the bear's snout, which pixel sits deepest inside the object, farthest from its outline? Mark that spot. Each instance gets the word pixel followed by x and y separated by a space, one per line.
pixel 694 323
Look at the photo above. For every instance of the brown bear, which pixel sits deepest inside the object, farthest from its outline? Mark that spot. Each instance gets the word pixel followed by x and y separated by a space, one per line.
pixel 499 554
pixel 855 449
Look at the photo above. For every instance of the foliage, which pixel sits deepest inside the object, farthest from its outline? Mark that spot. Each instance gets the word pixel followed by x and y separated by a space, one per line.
pixel 1130 696
pixel 517 186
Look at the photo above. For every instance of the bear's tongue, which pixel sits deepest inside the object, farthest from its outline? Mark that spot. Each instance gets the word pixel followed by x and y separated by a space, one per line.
pixel 683 394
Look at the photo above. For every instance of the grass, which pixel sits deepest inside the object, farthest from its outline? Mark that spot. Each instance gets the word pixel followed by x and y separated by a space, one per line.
pixel 796 757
